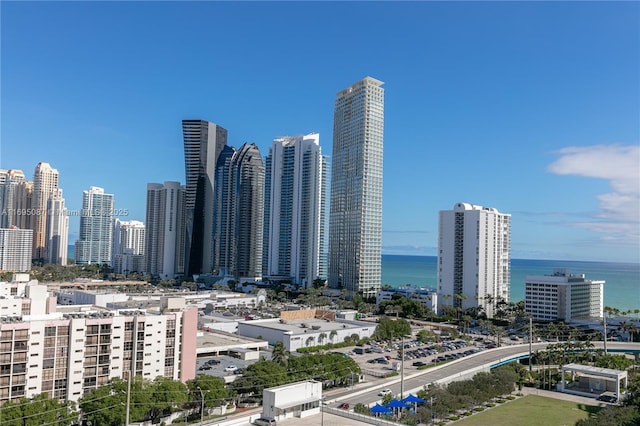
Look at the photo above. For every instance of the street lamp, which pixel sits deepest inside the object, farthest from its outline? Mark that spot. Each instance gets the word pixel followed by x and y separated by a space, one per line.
pixel 202 404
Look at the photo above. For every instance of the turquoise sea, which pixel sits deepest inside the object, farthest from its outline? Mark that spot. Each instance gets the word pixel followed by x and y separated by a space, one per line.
pixel 621 289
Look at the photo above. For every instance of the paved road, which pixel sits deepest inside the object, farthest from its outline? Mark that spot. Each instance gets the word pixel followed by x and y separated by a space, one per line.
pixel 450 371
pixel 367 392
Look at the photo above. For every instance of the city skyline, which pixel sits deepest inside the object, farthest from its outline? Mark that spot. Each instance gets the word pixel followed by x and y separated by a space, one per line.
pixel 527 107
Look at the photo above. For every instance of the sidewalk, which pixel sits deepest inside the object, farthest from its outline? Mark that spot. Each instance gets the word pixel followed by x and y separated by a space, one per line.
pixel 563 396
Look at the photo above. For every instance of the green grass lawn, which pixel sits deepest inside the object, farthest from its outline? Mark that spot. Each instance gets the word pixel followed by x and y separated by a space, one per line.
pixel 531 410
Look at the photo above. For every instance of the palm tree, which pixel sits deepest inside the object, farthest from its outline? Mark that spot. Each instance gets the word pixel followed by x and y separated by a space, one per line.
pixel 552 330
pixel 279 354
pixel 332 335
pixel 321 337
pixel 541 357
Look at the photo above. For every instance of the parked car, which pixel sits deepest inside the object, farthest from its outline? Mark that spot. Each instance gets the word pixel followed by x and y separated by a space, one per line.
pixel 344 406
pixel 385 392
pixel 231 368
pixel 608 397
pixel 265 421
pixel 205 367
pixel 419 364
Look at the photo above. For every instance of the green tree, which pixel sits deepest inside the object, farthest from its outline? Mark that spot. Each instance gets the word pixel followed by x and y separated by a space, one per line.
pixel 389 329
pixel 279 354
pixel 258 376
pixel 425 336
pixel 165 395
pixel 616 362
pixel 106 405
pixel 39 410
pixel 213 389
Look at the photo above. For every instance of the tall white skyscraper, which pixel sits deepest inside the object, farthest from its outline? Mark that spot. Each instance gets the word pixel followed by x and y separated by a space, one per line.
pixel 128 237
pixel 127 250
pixel 295 193
pixel 355 220
pixel 15 249
pixel 474 245
pixel 96 228
pixel 45 185
pixel 164 235
pixel 203 142
pixel 57 230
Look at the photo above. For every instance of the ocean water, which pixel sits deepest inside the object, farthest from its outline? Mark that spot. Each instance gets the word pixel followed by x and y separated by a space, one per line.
pixel 621 289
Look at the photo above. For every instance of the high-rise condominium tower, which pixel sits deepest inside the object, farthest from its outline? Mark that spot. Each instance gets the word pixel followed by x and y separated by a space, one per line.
pixel 474 245
pixel 57 230
pixel 203 142
pixel 294 215
pixel 127 250
pixel 355 219
pixel 11 185
pixel 128 237
pixel 96 228
pixel 45 185
pixel 15 249
pixel 164 246
pixel 238 213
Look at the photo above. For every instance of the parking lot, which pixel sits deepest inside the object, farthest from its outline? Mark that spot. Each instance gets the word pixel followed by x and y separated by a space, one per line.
pixel 222 366
pixel 377 360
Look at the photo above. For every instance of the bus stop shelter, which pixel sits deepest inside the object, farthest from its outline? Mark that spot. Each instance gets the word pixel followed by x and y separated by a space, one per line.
pixel 592 381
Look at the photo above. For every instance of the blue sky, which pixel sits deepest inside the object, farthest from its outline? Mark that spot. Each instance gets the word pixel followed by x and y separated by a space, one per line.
pixel 529 107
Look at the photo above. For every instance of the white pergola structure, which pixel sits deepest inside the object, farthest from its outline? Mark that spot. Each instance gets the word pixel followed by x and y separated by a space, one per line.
pixel 596 377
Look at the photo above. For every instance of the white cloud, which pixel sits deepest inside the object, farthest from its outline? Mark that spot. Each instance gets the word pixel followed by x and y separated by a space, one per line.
pixel 619 215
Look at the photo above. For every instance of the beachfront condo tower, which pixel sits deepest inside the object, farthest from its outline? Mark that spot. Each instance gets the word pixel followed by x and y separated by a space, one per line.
pixel 474 245
pixel 203 142
pixel 238 214
pixel 164 233
pixel 96 228
pixel 355 218
pixel 294 213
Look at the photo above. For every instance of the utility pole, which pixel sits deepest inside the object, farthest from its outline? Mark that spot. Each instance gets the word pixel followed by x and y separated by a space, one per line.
pixel 433 418
pixel 201 405
pixel 605 333
pixel 402 370
pixel 530 340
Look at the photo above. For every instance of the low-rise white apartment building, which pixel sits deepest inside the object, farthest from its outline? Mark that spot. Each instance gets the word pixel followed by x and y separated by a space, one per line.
pixel 424 295
pixel 66 351
pixel 563 296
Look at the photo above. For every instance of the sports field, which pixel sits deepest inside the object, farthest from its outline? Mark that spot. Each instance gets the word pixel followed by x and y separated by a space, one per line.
pixel 531 410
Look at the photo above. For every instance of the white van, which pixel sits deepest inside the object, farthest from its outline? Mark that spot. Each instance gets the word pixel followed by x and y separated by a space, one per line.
pixel 265 421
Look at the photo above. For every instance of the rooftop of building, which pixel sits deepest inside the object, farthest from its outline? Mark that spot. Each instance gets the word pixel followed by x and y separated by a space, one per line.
pixel 219 341
pixel 306 325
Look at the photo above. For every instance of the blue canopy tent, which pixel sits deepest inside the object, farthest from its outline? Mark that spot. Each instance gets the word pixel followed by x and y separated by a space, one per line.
pixel 379 409
pixel 412 399
pixel 394 404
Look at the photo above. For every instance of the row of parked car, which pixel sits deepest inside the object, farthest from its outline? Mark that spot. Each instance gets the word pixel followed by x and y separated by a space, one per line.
pixel 418 353
pixel 452 356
